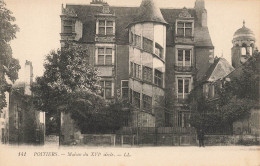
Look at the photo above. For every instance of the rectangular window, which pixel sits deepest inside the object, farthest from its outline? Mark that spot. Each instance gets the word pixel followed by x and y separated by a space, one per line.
pixel 131 38
pixel 147 103
pixel 136 70
pixel 131 69
pixel 183 119
pixel 211 91
pixel 184 85
pixel 158 78
pixel 147 45
pixel 136 99
pixel 67 29
pixel 106 89
pixel 104 56
pixel 105 27
pixel 158 50
pixel 206 90
pixel 67 26
pixel 147 74
pixel 130 96
pixel 137 41
pixel 124 89
pixel 184 29
pixel 184 57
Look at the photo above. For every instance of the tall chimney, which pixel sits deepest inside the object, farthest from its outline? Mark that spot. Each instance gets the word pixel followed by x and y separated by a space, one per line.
pixel 28 78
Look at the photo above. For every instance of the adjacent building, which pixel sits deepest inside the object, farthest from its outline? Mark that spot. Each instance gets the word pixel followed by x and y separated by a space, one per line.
pixel 21 123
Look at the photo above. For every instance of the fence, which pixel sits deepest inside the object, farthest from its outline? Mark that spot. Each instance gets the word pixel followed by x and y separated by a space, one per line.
pixel 161 136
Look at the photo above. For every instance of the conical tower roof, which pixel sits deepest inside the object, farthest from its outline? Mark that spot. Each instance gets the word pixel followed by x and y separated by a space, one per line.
pixel 149 12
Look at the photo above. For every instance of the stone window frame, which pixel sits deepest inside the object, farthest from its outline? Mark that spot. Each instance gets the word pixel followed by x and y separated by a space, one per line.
pixel 183 94
pixel 105 26
pixel 105 54
pixel 105 46
pixel 68 24
pixel 183 62
pixel 135 70
pixel 184 21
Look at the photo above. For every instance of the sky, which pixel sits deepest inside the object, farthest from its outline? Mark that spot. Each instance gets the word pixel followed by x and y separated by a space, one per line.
pixel 39 23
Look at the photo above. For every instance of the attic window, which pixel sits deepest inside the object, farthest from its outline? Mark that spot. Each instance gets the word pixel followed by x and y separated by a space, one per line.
pixel 105 27
pixel 184 29
pixel 67 26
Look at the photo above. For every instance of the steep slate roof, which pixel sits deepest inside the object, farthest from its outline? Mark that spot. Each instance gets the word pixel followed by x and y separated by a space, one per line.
pixel 218 70
pixel 128 15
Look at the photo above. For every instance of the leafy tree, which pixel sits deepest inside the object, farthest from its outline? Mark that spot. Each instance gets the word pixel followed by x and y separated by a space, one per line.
pixel 69 84
pixel 9 66
pixel 235 99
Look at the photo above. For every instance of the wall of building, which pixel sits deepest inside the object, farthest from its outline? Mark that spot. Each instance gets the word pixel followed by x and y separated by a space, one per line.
pixel 250 126
pixel 4 121
pixel 204 57
pixel 122 66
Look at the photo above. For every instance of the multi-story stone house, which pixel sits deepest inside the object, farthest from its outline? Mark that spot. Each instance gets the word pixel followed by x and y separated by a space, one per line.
pixel 147 55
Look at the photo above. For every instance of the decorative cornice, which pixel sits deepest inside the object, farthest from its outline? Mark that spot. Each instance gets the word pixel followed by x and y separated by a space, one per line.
pixel 69 12
pixel 185 13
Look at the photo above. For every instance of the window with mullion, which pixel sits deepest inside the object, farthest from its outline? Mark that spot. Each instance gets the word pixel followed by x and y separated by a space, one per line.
pixel 106 89
pixel 184 57
pixel 183 87
pixel 104 56
pixel 124 89
pixel 105 27
pixel 136 70
pixel 158 78
pixel 184 29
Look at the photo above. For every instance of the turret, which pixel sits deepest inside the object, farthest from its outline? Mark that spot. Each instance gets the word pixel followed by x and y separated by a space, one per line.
pixel 243 45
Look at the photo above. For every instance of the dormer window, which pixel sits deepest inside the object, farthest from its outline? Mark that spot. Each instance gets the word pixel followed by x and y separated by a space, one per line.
pixel 105 27
pixel 67 26
pixel 184 29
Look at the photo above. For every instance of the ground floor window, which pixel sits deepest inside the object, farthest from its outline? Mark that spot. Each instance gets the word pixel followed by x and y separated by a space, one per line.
pixel 106 89
pixel 183 119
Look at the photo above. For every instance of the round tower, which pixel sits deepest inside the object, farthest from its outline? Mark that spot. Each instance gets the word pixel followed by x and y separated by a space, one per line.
pixel 147 50
pixel 243 45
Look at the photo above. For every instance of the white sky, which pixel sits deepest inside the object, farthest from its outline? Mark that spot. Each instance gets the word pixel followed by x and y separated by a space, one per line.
pixel 39 22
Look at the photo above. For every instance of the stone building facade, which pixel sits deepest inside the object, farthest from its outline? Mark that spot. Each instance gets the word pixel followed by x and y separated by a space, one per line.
pixel 147 55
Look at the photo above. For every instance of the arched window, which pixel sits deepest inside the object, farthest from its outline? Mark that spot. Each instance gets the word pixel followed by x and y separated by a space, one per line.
pixel 250 51
pixel 243 51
